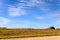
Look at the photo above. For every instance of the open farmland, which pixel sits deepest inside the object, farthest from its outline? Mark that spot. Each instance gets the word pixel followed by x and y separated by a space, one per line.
pixel 22 33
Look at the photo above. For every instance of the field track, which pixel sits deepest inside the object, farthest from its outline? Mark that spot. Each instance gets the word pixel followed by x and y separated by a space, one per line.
pixel 37 38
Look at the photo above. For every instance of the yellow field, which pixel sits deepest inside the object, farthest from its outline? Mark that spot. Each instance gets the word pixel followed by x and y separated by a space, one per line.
pixel 21 33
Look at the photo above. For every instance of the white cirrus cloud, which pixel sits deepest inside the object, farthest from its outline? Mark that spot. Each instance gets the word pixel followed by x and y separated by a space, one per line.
pixel 32 2
pixel 40 17
pixel 55 14
pixel 52 15
pixel 44 5
pixel 16 11
pixel 4 21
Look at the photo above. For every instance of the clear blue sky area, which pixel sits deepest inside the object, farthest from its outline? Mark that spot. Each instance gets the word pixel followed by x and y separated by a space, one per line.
pixel 29 13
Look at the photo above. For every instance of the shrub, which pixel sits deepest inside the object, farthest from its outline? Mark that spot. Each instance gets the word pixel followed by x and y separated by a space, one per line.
pixel 52 27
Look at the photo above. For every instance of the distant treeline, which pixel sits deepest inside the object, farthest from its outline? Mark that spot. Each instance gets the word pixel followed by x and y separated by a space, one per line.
pixel 51 27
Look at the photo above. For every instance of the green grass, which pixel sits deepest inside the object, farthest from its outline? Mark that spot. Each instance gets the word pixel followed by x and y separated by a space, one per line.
pixel 22 33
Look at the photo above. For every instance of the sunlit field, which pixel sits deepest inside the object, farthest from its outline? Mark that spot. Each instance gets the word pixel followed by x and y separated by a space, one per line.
pixel 22 33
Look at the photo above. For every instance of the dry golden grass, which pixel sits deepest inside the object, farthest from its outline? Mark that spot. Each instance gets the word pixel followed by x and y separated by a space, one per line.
pixel 21 33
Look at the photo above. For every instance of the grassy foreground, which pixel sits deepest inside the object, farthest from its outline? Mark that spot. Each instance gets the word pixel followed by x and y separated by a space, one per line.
pixel 22 33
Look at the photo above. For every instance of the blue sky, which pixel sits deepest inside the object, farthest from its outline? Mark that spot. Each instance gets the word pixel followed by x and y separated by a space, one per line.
pixel 29 13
